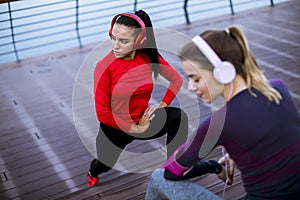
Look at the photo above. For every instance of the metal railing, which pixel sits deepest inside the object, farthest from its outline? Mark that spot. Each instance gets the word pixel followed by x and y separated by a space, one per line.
pixel 30 27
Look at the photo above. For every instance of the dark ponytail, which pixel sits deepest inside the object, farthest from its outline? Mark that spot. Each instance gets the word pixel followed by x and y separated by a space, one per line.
pixel 149 46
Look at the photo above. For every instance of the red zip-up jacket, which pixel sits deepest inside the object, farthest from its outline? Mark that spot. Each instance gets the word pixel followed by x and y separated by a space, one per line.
pixel 123 88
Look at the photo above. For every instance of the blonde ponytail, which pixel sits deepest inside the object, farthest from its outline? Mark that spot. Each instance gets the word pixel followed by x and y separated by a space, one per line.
pixel 250 70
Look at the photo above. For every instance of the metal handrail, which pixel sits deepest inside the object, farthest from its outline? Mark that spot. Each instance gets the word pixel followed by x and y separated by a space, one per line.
pixel 79 24
pixel 12 33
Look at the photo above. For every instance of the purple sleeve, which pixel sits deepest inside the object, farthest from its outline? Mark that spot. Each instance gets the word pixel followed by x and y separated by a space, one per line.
pixel 190 155
pixel 206 139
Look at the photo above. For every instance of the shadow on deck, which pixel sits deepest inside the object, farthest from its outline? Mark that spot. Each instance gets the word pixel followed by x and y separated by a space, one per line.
pixel 42 156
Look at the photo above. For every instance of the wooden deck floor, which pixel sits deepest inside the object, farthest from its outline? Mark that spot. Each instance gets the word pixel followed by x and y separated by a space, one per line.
pixel 41 154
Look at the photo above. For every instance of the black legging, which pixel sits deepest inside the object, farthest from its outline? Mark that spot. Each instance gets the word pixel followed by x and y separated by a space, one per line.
pixel 110 142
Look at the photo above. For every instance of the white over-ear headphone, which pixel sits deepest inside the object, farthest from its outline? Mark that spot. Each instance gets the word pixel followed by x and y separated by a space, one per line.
pixel 224 71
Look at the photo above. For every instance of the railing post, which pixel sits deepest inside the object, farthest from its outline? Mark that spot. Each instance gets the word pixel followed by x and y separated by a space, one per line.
pixel 135 5
pixel 272 3
pixel 12 32
pixel 77 23
pixel 186 12
pixel 231 7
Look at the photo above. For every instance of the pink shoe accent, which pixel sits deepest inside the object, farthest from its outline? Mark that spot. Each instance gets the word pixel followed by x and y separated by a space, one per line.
pixel 92 180
pixel 173 166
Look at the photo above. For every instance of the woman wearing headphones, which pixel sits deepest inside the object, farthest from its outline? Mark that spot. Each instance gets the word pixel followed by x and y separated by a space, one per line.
pixel 261 126
pixel 123 85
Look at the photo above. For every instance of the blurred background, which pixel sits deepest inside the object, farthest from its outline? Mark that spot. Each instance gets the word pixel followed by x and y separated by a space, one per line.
pixel 29 28
pixel 43 46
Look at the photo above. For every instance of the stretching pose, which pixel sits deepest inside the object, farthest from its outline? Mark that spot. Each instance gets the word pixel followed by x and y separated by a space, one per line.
pixel 123 85
pixel 261 129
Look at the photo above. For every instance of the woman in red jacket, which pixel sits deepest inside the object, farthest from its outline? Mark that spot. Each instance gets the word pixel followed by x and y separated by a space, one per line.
pixel 123 85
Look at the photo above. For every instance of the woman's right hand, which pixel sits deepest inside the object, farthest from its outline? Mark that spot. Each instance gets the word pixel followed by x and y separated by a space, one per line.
pixel 147 116
pixel 144 122
pixel 138 129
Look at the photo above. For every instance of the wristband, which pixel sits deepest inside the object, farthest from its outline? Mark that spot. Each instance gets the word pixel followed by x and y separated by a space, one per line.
pixel 173 166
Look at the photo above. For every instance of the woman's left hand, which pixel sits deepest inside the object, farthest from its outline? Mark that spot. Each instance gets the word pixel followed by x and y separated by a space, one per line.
pixel 147 116
pixel 228 173
pixel 162 105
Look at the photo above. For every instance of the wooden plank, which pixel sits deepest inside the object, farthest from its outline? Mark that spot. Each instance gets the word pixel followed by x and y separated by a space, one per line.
pixel 42 156
pixel 133 186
